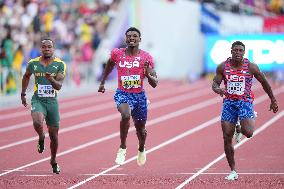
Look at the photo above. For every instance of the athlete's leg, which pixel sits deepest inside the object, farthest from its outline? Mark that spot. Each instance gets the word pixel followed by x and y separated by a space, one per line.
pixel 38 118
pixel 141 133
pixel 53 135
pixel 248 127
pixel 228 132
pixel 124 110
pixel 247 117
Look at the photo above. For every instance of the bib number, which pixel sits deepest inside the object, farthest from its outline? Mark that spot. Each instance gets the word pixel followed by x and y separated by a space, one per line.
pixel 237 88
pixel 45 91
pixel 132 81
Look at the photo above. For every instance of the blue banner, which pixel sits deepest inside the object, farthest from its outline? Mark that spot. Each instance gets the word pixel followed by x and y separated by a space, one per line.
pixel 210 22
pixel 264 50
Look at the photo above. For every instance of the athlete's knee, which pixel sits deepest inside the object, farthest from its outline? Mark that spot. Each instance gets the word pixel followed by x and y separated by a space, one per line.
pixel 125 116
pixel 142 130
pixel 37 123
pixel 53 134
pixel 227 138
pixel 248 134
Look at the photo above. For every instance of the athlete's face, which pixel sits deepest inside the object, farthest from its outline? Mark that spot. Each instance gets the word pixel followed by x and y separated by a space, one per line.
pixel 47 48
pixel 132 38
pixel 238 52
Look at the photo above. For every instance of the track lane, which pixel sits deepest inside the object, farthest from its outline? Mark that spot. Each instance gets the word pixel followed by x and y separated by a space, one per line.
pixel 103 148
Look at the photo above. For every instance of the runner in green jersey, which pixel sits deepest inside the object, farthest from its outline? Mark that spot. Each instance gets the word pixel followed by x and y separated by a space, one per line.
pixel 49 73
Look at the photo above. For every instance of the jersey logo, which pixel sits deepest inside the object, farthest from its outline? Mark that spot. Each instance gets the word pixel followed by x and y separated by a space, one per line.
pixel 128 64
pixel 235 78
pixel 55 67
pixel 35 67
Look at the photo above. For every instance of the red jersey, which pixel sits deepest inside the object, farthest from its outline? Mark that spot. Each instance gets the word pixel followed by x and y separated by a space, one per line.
pixel 238 82
pixel 131 72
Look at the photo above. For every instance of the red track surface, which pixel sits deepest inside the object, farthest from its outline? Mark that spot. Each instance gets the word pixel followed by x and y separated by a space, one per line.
pixel 184 144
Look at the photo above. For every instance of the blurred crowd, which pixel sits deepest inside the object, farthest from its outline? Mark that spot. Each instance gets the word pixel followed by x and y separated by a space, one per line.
pixel 250 7
pixel 76 26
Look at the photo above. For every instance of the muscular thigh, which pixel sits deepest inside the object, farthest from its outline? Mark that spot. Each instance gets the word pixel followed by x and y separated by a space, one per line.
pixel 228 129
pixel 230 111
pixel 38 106
pixel 140 110
pixel 52 118
pixel 246 111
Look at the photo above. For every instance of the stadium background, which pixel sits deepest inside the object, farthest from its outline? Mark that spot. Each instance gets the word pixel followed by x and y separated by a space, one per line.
pixel 187 38
pixel 185 147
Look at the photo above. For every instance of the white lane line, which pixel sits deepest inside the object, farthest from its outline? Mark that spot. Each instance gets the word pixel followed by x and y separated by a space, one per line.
pixel 116 115
pixel 169 141
pixel 189 132
pixel 151 122
pixel 104 106
pixel 99 98
pixel 262 128
pixel 252 173
pixel 154 121
pixel 115 174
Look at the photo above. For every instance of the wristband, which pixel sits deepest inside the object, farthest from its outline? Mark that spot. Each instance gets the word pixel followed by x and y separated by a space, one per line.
pixel 23 94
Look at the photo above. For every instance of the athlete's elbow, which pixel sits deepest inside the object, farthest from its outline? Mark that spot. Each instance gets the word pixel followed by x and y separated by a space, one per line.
pixel 57 87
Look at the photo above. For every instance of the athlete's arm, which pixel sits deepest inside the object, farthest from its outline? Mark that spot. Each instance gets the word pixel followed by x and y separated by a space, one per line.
pixel 217 80
pixel 25 83
pixel 109 67
pixel 151 74
pixel 254 69
pixel 56 81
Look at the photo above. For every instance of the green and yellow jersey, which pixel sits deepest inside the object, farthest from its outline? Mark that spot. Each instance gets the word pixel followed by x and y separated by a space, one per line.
pixel 43 87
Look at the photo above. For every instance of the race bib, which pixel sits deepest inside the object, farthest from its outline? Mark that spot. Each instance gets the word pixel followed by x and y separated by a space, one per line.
pixel 45 91
pixel 131 81
pixel 237 88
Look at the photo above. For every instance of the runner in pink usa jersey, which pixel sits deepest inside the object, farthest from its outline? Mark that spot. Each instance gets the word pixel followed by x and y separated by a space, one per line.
pixel 131 70
pixel 133 65
pixel 237 74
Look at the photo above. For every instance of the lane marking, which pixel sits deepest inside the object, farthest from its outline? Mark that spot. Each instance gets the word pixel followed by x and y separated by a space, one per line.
pixel 100 98
pixel 227 173
pixel 172 140
pixel 257 131
pixel 116 115
pixel 104 106
pixel 151 122
pixel 162 118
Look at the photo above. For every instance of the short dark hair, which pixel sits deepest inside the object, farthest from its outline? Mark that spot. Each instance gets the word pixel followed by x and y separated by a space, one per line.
pixel 238 43
pixel 133 29
pixel 47 39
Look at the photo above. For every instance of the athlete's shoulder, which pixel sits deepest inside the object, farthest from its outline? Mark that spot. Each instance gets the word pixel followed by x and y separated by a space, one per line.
pixel 56 59
pixel 34 60
pixel 59 61
pixel 117 50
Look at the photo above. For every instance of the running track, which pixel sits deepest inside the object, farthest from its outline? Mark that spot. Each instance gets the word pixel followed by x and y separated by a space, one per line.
pixel 184 144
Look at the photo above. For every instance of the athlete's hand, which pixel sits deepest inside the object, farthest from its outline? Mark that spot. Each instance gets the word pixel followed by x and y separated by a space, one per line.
pixel 101 88
pixel 273 106
pixel 49 76
pixel 221 92
pixel 24 100
pixel 147 68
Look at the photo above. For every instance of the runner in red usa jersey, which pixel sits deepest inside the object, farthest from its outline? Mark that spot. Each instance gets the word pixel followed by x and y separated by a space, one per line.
pixel 237 74
pixel 238 82
pixel 133 65
pixel 131 69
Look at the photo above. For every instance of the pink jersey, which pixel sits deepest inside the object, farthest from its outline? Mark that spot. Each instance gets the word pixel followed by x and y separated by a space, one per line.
pixel 131 72
pixel 238 82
